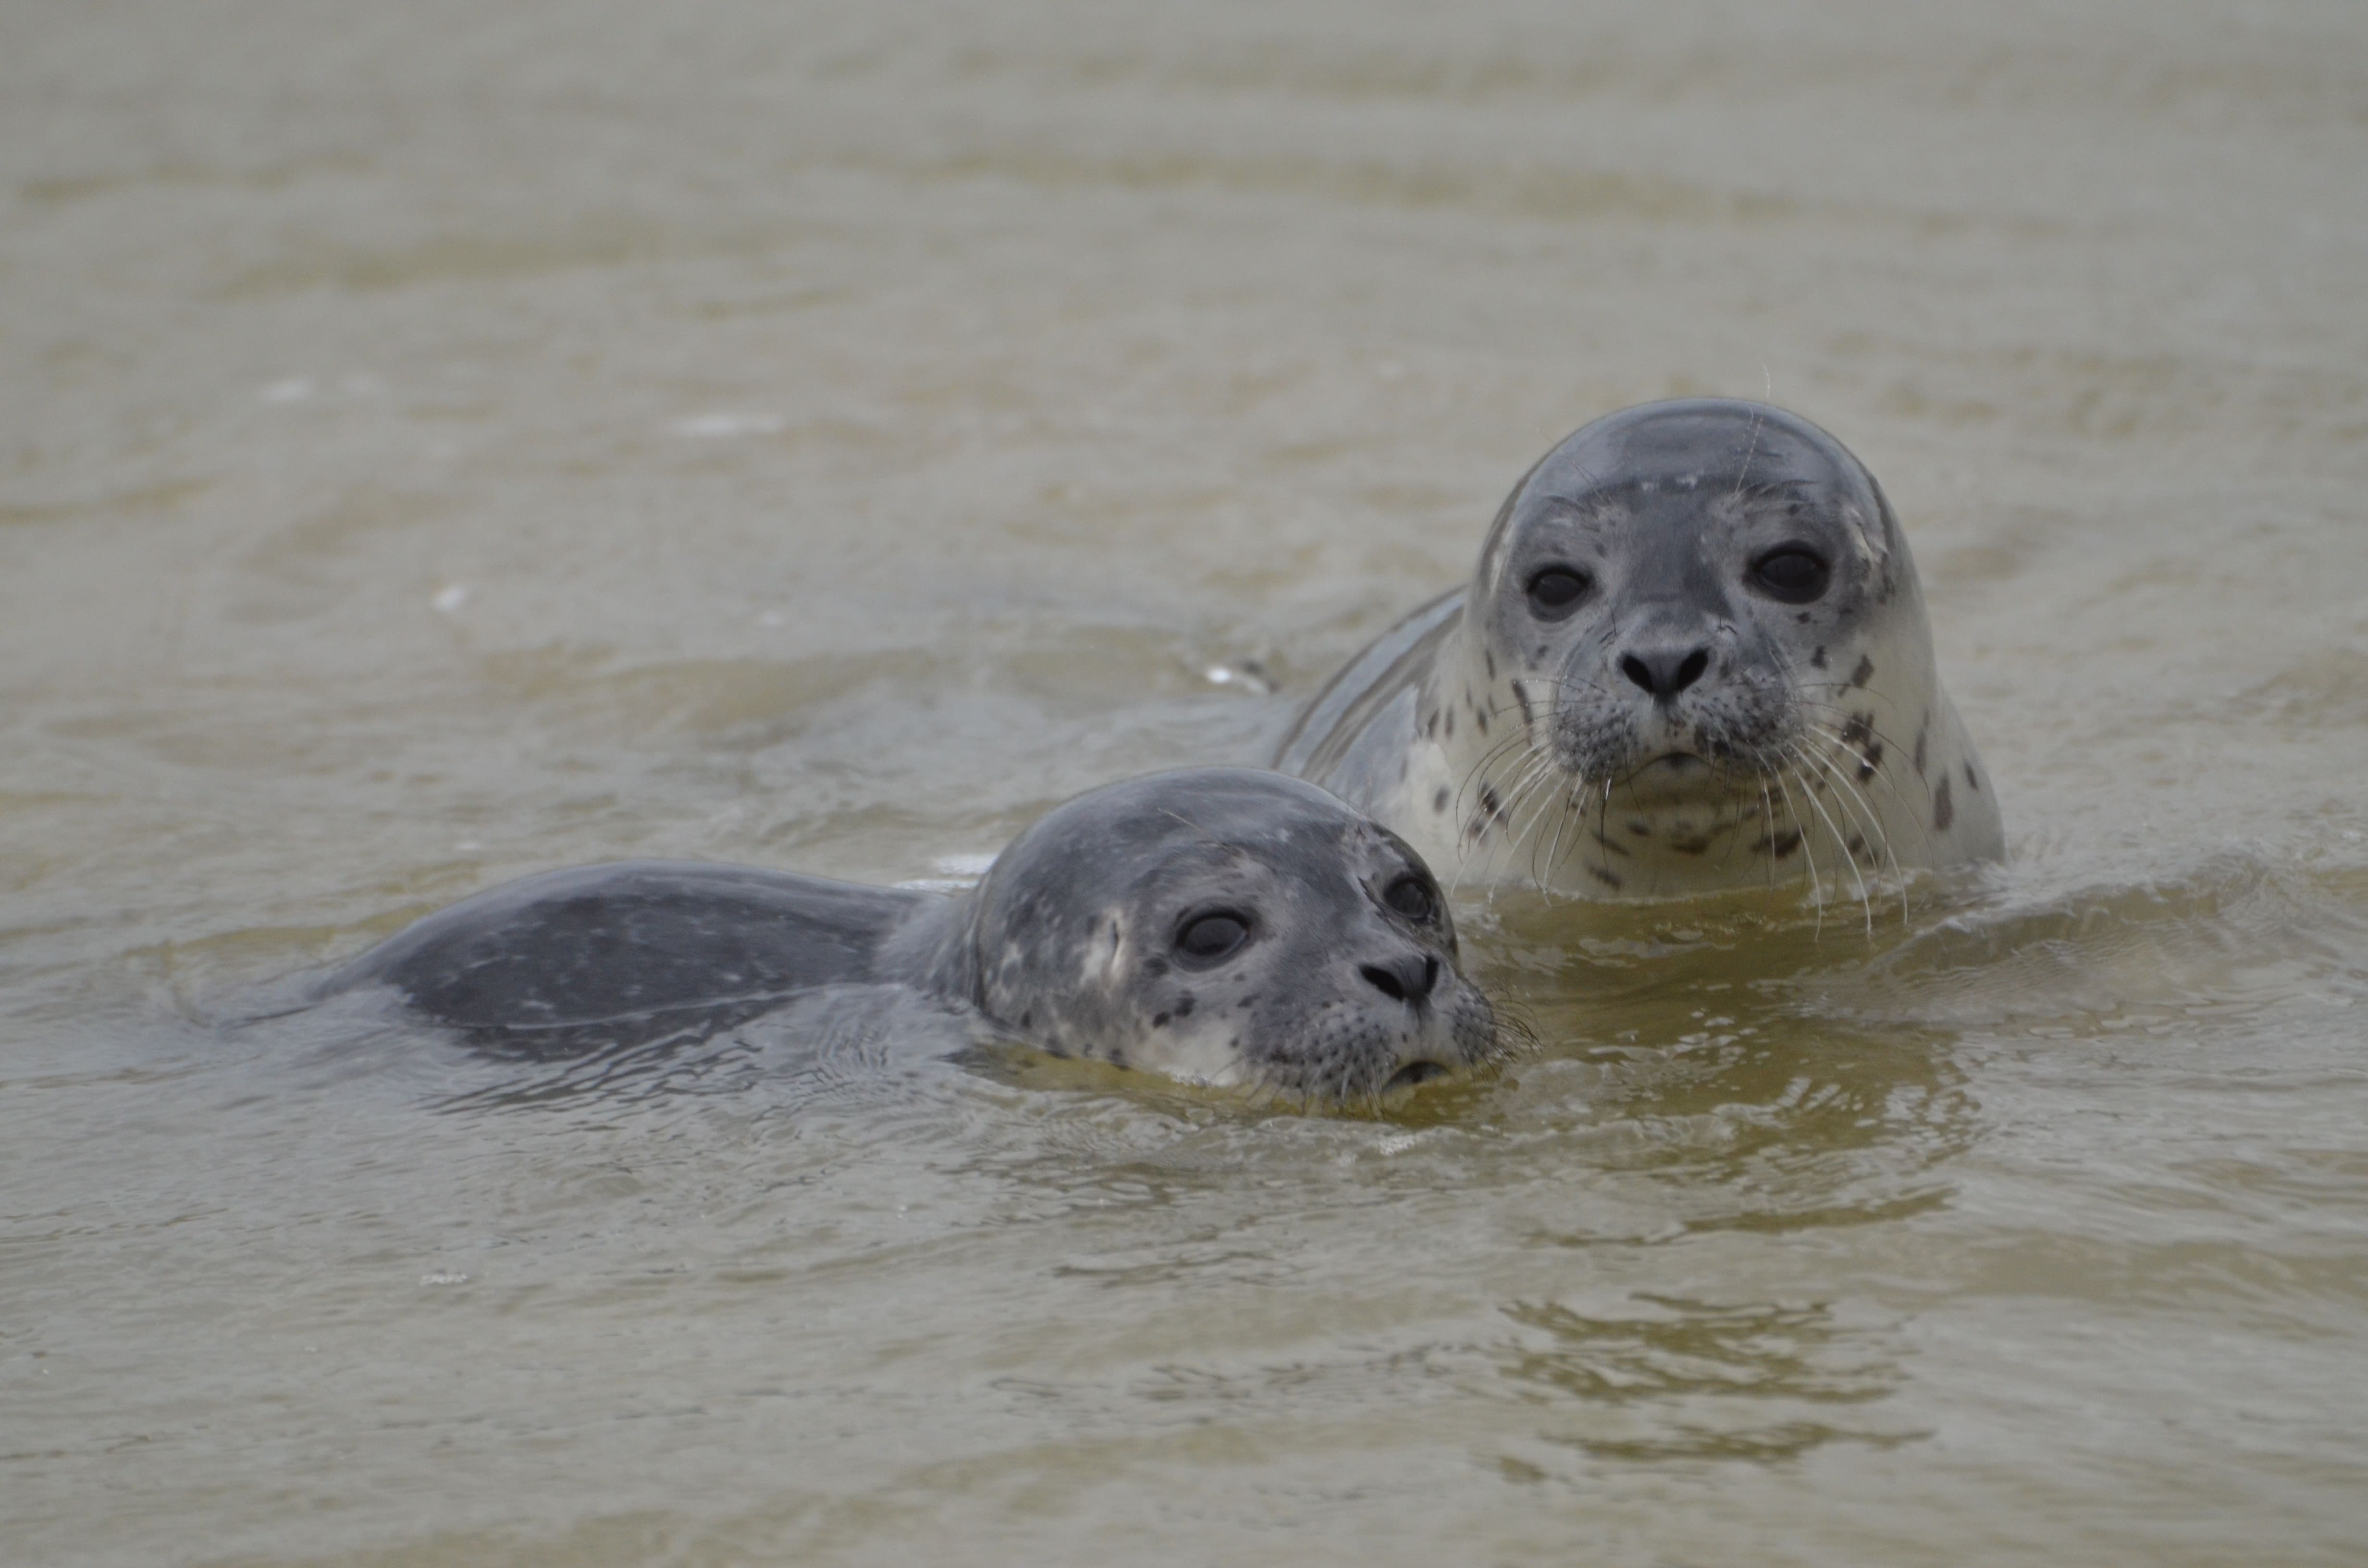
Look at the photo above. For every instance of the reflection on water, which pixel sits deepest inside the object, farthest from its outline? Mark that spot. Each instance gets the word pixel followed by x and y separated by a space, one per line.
pixel 447 445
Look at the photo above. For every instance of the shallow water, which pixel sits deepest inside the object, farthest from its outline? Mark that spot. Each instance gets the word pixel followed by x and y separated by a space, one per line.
pixel 445 442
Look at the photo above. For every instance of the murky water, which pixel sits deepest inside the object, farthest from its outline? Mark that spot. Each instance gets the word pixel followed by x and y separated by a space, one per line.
pixel 442 442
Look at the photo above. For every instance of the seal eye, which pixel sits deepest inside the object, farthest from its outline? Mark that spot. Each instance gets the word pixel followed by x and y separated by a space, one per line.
pixel 1791 572
pixel 1410 896
pixel 1556 592
pixel 1208 937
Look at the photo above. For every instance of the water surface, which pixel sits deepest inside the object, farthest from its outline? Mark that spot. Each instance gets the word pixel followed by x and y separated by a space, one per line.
pixel 441 442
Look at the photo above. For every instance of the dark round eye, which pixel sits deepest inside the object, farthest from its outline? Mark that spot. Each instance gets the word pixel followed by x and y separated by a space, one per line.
pixel 1411 897
pixel 1556 592
pixel 1791 572
pixel 1208 937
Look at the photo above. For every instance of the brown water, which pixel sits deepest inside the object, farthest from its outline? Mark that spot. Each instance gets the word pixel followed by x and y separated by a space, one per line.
pixel 440 442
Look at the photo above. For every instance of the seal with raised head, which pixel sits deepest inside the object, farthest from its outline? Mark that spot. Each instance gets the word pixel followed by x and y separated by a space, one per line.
pixel 1223 926
pixel 1694 656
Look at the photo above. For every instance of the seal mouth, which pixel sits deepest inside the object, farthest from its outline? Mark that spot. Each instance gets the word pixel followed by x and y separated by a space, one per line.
pixel 1415 1073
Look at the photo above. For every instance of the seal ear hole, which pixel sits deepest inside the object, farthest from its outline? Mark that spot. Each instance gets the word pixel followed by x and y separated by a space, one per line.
pixel 1411 896
pixel 1212 935
pixel 1555 591
pixel 1792 573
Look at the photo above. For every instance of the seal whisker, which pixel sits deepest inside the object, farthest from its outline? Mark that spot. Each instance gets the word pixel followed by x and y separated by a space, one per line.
pixel 1478 772
pixel 1554 791
pixel 1546 787
pixel 1571 808
pixel 1525 777
pixel 1542 784
pixel 1901 800
pixel 1865 814
pixel 1801 826
pixel 1877 830
pixel 1743 473
pixel 1767 814
pixel 1842 846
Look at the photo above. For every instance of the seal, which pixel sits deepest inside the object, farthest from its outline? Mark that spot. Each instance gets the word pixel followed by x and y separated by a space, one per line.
pixel 1223 926
pixel 1694 656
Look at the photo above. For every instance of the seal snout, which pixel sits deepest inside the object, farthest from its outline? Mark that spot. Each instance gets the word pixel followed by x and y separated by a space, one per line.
pixel 1409 979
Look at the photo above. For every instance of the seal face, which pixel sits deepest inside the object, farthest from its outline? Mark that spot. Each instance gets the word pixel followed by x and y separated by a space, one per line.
pixel 1225 925
pixel 1694 656
pixel 1228 927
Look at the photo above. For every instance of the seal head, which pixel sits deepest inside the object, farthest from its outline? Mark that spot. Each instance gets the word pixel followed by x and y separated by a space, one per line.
pixel 1694 656
pixel 1667 590
pixel 1228 927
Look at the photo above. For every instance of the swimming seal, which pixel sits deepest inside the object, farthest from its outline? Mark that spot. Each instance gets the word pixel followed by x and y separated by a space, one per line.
pixel 1694 656
pixel 1225 925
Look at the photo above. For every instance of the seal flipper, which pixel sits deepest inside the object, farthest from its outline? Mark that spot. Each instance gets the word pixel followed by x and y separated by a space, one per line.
pixel 569 962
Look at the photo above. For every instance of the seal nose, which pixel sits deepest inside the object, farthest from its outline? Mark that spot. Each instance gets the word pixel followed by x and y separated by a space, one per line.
pixel 1408 979
pixel 1666 671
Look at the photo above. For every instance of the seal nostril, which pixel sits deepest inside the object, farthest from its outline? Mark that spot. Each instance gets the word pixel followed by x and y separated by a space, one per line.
pixel 1408 979
pixel 1663 673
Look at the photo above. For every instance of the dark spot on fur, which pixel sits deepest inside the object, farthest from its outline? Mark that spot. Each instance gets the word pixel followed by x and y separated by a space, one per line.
pixel 1159 1020
pixel 1028 1019
pixel 1864 672
pixel 1610 843
pixel 1491 661
pixel 1438 802
pixel 1872 760
pixel 1858 731
pixel 1971 782
pixel 1689 844
pixel 1606 878
pixel 1818 658
pixel 1184 1005
pixel 1480 719
pixel 1944 810
pixel 1155 966
pixel 1490 801
pixel 1539 655
pixel 1803 616
pixel 1451 724
pixel 1857 845
pixel 1920 753
pixel 1118 1056
pixel 1641 829
pixel 1785 843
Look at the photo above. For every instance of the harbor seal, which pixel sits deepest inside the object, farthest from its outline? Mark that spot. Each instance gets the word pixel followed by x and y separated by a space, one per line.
pixel 1223 926
pixel 1694 656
